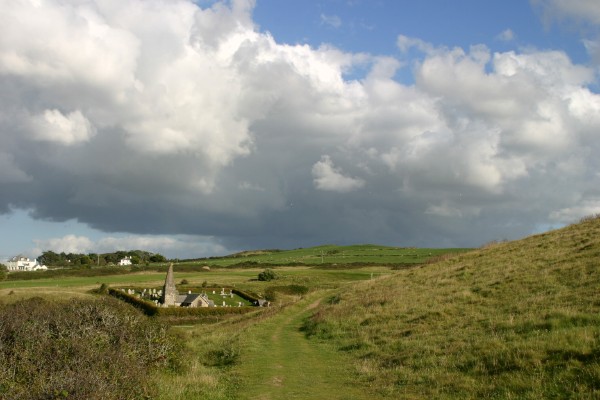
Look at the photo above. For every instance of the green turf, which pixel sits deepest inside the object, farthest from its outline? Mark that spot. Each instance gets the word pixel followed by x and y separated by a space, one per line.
pixel 517 320
pixel 329 254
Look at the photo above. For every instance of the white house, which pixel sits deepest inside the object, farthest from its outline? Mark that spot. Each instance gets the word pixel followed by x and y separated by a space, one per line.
pixel 22 263
pixel 125 261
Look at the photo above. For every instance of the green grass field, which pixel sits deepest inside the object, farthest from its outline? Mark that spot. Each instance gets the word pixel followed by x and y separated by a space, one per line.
pixel 329 254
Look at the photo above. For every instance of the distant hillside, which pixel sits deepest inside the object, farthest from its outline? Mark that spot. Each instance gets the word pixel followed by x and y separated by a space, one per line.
pixel 329 255
pixel 514 320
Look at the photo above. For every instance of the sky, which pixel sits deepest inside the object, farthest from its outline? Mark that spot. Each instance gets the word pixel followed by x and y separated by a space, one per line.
pixel 202 128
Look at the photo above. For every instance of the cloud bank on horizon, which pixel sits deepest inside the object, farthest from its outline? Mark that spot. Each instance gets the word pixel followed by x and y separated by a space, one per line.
pixel 178 123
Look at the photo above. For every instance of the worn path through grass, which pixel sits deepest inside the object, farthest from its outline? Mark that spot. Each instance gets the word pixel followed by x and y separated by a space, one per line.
pixel 282 363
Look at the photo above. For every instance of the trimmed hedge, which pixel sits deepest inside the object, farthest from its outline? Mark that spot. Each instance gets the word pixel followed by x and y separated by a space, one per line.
pixel 145 306
pixel 152 310
pixel 251 297
pixel 201 311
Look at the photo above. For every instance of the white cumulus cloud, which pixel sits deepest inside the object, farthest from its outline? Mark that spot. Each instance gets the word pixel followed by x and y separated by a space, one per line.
pixel 54 126
pixel 328 177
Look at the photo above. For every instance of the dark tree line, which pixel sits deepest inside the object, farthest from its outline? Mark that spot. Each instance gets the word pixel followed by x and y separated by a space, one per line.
pixel 53 259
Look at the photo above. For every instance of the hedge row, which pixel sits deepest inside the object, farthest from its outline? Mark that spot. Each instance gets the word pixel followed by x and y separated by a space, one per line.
pixel 56 273
pixel 361 264
pixel 145 306
pixel 152 310
pixel 202 311
pixel 251 297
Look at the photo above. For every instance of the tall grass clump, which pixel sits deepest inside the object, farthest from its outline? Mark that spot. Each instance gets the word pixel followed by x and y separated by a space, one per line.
pixel 210 353
pixel 514 320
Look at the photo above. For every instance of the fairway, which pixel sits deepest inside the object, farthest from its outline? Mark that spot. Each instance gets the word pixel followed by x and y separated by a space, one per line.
pixel 281 363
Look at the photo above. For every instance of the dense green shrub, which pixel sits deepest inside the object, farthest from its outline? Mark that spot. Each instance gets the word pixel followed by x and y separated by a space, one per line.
pixel 85 349
pixel 3 272
pixel 145 306
pixel 251 297
pixel 151 310
pixel 202 311
pixel 267 275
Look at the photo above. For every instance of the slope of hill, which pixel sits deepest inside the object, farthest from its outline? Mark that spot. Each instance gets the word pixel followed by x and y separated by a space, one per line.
pixel 514 320
pixel 328 254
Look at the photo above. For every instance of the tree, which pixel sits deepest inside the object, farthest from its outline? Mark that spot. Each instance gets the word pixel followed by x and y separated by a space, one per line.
pixel 49 258
pixel 156 258
pixel 3 272
pixel 85 260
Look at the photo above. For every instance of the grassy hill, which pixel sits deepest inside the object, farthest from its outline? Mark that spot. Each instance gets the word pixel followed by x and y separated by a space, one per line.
pixel 513 320
pixel 328 254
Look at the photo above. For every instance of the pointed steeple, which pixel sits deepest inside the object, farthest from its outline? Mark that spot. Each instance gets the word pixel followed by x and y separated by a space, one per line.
pixel 169 290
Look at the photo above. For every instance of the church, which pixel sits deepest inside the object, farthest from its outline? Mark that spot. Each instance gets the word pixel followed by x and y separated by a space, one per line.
pixel 171 297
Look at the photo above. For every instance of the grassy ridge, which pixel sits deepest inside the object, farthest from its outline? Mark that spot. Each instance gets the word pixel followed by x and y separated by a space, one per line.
pixel 328 254
pixel 514 320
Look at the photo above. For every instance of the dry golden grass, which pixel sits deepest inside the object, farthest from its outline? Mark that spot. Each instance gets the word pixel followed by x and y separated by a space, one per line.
pixel 512 320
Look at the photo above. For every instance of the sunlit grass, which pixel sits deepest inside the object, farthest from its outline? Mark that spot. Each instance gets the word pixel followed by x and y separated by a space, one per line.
pixel 515 320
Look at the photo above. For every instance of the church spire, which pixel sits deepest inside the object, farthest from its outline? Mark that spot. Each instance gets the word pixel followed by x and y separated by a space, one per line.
pixel 169 290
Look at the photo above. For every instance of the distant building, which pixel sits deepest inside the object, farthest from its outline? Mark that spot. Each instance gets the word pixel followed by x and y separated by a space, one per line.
pixel 171 297
pixel 125 261
pixel 22 263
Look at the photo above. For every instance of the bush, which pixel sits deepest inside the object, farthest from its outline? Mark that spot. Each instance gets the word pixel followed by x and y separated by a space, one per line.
pixel 145 306
pixel 3 272
pixel 103 289
pixel 292 290
pixel 267 275
pixel 251 297
pixel 85 349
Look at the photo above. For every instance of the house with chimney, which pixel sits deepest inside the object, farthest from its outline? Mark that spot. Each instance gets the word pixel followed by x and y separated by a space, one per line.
pixel 22 263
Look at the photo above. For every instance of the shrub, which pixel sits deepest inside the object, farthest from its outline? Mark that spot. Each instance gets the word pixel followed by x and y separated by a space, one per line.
pixel 103 289
pixel 251 297
pixel 3 272
pixel 88 349
pixel 267 275
pixel 145 306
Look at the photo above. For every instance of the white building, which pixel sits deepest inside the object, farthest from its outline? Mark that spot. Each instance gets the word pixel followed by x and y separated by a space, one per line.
pixel 125 261
pixel 21 263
